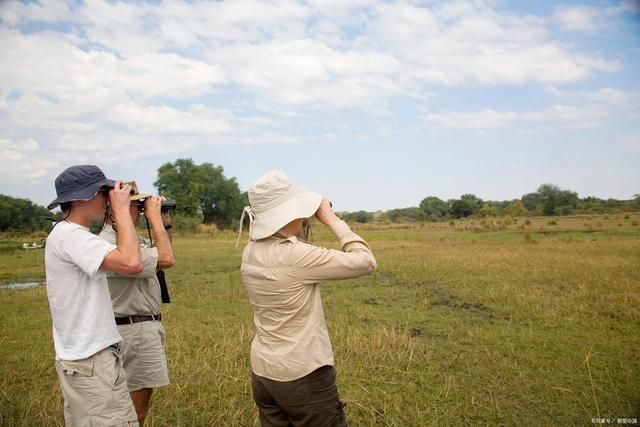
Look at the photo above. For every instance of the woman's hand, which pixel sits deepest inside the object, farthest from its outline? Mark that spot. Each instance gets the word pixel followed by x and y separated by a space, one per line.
pixel 325 214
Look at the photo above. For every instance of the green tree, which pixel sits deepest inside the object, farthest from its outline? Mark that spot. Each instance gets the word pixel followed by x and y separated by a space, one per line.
pixel 475 201
pixel 358 216
pixel 434 208
pixel 22 215
pixel 489 210
pixel 363 216
pixel 201 190
pixel 516 208
pixel 467 205
pixel 550 199
pixel 404 214
pixel 461 208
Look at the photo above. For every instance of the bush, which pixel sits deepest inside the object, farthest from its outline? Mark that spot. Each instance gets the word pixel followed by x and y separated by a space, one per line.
pixel 186 223
pixel 527 222
pixel 210 229
pixel 552 222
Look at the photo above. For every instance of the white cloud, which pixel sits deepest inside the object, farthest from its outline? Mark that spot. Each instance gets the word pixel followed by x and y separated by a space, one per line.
pixel 579 18
pixel 590 18
pixel 13 12
pixel 23 160
pixel 50 63
pixel 151 119
pixel 124 78
pixel 306 71
pixel 608 96
pixel 557 116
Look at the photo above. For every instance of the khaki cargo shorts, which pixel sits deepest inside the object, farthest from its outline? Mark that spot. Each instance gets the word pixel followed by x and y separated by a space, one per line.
pixel 145 361
pixel 95 391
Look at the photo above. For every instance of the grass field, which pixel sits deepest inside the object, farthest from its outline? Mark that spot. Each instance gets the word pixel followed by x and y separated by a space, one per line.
pixel 497 323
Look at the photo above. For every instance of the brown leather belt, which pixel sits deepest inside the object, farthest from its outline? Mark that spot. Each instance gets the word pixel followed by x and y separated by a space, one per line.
pixel 138 318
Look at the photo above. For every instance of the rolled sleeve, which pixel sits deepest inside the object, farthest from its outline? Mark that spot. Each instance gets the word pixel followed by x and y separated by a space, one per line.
pixel 149 264
pixel 315 264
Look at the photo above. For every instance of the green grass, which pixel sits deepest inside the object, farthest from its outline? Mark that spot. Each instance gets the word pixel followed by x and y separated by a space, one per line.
pixel 457 326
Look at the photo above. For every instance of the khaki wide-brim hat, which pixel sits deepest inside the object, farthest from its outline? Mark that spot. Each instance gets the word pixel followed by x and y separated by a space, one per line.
pixel 134 194
pixel 276 201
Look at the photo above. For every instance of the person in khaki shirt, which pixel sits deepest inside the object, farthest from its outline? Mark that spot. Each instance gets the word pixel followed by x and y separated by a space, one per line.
pixel 137 301
pixel 293 378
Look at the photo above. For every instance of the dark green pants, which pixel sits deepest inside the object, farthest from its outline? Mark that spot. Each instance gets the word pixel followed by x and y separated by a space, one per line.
pixel 312 400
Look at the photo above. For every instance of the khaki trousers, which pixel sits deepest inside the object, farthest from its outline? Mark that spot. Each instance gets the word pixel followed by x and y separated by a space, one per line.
pixel 95 391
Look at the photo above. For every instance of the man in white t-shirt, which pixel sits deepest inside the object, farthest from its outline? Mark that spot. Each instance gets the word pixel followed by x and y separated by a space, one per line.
pixel 85 337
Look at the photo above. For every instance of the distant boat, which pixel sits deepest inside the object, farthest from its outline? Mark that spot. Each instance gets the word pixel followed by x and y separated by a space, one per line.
pixel 33 245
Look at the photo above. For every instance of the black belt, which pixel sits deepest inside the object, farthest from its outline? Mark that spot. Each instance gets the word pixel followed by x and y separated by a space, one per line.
pixel 138 318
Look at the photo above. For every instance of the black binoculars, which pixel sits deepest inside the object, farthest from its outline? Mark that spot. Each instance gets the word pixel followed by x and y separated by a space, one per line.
pixel 167 205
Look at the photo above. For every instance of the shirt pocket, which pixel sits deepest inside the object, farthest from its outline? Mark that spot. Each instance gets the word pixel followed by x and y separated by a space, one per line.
pixel 79 368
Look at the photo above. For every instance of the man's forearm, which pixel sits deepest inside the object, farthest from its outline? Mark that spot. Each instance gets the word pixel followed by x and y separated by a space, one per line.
pixel 163 244
pixel 126 237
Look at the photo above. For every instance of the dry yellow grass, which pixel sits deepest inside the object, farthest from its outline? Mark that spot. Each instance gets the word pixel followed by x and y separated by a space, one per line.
pixel 467 323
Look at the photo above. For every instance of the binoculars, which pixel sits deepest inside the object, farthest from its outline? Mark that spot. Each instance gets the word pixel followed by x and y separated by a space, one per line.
pixel 167 205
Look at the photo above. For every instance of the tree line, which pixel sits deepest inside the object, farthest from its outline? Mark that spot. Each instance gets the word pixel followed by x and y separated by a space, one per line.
pixel 204 194
pixel 547 200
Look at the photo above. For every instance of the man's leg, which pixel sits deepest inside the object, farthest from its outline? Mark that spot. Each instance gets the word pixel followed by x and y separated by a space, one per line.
pixel 95 391
pixel 142 402
pixel 145 362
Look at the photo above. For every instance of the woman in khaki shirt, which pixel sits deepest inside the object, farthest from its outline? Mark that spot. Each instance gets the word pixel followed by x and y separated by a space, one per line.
pixel 293 378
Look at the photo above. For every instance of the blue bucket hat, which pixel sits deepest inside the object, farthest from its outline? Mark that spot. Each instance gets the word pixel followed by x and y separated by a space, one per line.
pixel 81 182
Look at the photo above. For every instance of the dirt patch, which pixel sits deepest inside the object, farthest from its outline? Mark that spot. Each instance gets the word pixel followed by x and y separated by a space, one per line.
pixel 474 308
pixel 437 294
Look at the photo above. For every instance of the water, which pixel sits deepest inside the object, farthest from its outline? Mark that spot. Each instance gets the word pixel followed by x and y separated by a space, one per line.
pixel 24 285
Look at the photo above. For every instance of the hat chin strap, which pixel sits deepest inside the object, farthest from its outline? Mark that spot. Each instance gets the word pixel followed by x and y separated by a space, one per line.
pixel 247 210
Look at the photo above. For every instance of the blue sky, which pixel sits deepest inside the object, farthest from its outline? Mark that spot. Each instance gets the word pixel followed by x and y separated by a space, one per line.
pixel 375 104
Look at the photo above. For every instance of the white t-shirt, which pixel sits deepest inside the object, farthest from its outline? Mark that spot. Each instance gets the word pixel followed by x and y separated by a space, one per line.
pixel 83 321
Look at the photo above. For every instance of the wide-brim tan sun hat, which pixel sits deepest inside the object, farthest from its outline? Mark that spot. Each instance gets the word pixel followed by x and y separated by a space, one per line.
pixel 276 201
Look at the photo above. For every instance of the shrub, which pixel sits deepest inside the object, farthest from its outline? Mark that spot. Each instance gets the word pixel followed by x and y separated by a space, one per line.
pixel 527 222
pixel 210 229
pixel 186 223
pixel 552 222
